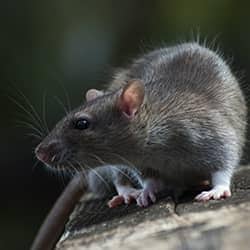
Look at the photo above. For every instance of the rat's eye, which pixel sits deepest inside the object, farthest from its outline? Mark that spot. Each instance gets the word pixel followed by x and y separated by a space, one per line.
pixel 82 124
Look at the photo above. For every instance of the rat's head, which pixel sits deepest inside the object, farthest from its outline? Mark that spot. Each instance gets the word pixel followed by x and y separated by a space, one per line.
pixel 99 132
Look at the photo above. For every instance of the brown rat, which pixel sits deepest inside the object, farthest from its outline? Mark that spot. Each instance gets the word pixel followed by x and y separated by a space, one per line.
pixel 176 116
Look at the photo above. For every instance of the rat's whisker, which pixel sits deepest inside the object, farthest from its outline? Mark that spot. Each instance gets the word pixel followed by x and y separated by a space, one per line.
pixel 101 178
pixel 39 138
pixel 112 166
pixel 97 175
pixel 98 158
pixel 53 158
pixel 66 97
pixel 65 174
pixel 30 105
pixel 80 168
pixel 126 162
pixel 49 171
pixel 30 126
pixel 53 172
pixel 35 165
pixel 32 111
pixel 72 169
pixel 44 113
pixel 61 104
pixel 60 170
pixel 26 119
pixel 27 112
pixel 122 172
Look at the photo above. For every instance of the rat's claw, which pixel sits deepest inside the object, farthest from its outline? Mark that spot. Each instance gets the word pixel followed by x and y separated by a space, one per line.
pixel 142 201
pixel 128 199
pixel 116 201
pixel 145 198
pixel 217 193
pixel 127 196
pixel 152 197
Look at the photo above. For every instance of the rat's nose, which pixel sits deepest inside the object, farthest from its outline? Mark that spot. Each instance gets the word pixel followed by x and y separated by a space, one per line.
pixel 47 153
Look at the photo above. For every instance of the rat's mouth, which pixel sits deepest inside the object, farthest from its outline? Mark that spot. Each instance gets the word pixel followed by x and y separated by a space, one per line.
pixel 52 155
pixel 51 160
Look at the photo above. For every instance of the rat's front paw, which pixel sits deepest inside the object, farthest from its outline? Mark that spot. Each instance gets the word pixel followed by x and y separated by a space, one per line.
pixel 125 197
pixel 143 198
pixel 148 194
pixel 116 201
pixel 217 193
pixel 146 197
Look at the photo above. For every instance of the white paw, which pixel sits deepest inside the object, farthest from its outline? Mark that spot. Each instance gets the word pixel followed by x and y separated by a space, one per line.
pixel 146 197
pixel 143 198
pixel 216 193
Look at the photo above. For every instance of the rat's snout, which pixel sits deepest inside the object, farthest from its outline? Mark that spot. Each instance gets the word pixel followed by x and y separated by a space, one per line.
pixel 48 153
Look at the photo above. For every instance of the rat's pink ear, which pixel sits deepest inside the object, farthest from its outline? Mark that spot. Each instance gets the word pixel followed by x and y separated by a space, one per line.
pixel 131 98
pixel 92 94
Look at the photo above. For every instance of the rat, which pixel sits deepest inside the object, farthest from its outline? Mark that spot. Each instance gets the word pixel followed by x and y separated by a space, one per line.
pixel 175 116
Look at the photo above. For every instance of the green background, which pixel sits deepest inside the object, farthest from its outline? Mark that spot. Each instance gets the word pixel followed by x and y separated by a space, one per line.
pixel 48 46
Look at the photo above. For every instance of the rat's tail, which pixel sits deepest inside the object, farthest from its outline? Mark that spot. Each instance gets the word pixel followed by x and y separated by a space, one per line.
pixel 54 223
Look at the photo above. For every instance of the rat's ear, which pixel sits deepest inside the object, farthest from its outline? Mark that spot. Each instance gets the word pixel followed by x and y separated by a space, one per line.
pixel 92 94
pixel 131 98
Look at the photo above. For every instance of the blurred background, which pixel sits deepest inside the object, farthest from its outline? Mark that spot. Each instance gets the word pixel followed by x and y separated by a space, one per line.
pixel 51 49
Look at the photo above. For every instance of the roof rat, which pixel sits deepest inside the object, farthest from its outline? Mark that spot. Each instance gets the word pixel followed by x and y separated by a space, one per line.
pixel 175 116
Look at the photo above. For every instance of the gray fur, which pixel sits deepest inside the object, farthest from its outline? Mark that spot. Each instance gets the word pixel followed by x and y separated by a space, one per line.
pixel 192 121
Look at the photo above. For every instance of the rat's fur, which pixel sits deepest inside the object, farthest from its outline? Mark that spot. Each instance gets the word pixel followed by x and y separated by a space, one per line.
pixel 191 123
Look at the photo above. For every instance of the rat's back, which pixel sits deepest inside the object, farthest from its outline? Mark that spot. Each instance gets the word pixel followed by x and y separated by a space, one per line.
pixel 189 70
pixel 193 107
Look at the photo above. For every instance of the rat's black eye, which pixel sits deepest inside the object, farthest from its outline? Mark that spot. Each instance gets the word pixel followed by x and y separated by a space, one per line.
pixel 82 124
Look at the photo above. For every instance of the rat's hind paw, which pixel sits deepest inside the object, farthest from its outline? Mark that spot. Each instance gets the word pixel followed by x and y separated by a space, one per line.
pixel 217 193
